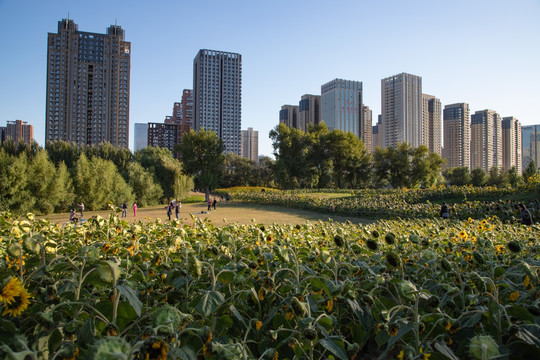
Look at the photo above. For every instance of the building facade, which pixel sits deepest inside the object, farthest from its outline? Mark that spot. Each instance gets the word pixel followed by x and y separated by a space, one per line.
pixel 163 135
pixel 401 108
pixel 377 133
pixel 288 115
pixel 367 128
pixel 250 144
pixel 486 140
pixel 530 145
pixel 341 105
pixel 217 95
pixel 457 135
pixel 17 131
pixel 140 136
pixel 309 111
pixel 431 123
pixel 511 143
pixel 88 84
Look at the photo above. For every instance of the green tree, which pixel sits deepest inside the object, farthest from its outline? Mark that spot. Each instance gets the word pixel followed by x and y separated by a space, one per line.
pixel 202 157
pixel 318 155
pixel 14 195
pixel 497 177
pixel 425 167
pixel 41 183
pixel 167 170
pixel 238 171
pixel 458 176
pixel 264 173
pixel 478 177
pixel 146 190
pixel 513 177
pixel 529 171
pixel 63 151
pixel 63 188
pixel 349 159
pixel 291 168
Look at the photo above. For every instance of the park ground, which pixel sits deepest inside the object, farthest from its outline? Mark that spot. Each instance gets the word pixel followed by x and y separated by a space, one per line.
pixel 225 213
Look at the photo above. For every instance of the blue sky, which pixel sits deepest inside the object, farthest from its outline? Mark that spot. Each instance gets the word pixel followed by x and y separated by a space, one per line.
pixel 484 52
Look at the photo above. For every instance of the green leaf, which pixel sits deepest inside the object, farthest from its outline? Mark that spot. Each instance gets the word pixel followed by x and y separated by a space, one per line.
pixel 185 352
pixel 87 333
pixel 445 350
pixel 226 276
pixel 8 326
pixel 520 313
pixel 335 347
pixel 55 339
pixel 131 296
pixel 210 302
pixel 125 314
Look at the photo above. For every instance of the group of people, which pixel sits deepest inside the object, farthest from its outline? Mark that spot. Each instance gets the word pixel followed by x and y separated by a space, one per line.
pixel 74 216
pixel 173 206
pixel 124 209
pixel 212 204
pixel 526 217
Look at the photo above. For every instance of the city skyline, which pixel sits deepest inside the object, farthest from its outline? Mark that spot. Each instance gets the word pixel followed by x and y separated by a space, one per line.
pixel 389 38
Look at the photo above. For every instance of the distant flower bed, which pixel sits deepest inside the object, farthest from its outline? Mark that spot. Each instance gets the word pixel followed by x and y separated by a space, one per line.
pixel 193 199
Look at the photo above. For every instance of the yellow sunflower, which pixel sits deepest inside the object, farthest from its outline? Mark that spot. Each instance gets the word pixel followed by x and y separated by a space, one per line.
pixel 19 304
pixel 12 289
pixel 463 235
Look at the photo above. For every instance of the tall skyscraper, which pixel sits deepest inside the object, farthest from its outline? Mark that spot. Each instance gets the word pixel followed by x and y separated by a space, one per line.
pixel 309 111
pixel 163 135
pixel 401 107
pixel 377 133
pixel 140 136
pixel 288 115
pixel 217 95
pixel 341 105
pixel 511 143
pixel 186 120
pixel 486 140
pixel 530 145
pixel 250 144
pixel 367 128
pixel 457 135
pixel 88 79
pixel 17 131
pixel 431 119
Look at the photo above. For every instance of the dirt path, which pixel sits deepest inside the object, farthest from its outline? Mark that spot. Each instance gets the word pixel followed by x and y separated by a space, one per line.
pixel 225 213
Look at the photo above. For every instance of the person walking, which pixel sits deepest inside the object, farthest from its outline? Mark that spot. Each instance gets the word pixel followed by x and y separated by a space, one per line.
pixel 526 217
pixel 134 209
pixel 177 209
pixel 124 209
pixel 214 204
pixel 81 205
pixel 169 210
pixel 209 204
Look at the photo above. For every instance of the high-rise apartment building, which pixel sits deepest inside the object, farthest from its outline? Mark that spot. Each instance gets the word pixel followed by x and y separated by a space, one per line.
pixel 88 79
pixel 17 131
pixel 250 144
pixel 163 135
pixel 140 136
pixel 511 143
pixel 431 122
pixel 367 128
pixel 288 115
pixel 377 134
pixel 401 107
pixel 217 95
pixel 530 145
pixel 309 111
pixel 186 120
pixel 341 105
pixel 486 140
pixel 457 135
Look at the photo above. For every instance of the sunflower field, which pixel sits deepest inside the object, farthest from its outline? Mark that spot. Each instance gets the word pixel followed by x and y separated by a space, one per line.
pixel 395 289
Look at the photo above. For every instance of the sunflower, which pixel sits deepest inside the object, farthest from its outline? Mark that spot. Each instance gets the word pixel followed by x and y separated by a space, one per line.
pixel 19 304
pixel 463 235
pixel 12 288
pixel 393 330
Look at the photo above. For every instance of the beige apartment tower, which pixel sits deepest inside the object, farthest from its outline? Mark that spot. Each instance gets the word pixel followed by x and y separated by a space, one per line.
pixel 457 135
pixel 367 129
pixel 88 81
pixel 288 115
pixel 486 140
pixel 431 123
pixel 250 144
pixel 401 107
pixel 309 111
pixel 511 143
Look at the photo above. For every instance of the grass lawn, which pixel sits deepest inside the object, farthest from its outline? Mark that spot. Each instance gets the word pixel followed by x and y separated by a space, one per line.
pixel 226 213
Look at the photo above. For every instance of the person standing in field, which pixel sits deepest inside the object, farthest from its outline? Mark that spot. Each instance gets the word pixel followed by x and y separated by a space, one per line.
pixel 209 204
pixel 124 209
pixel 169 210
pixel 445 212
pixel 134 209
pixel 177 209
pixel 81 205
pixel 526 217
pixel 214 204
